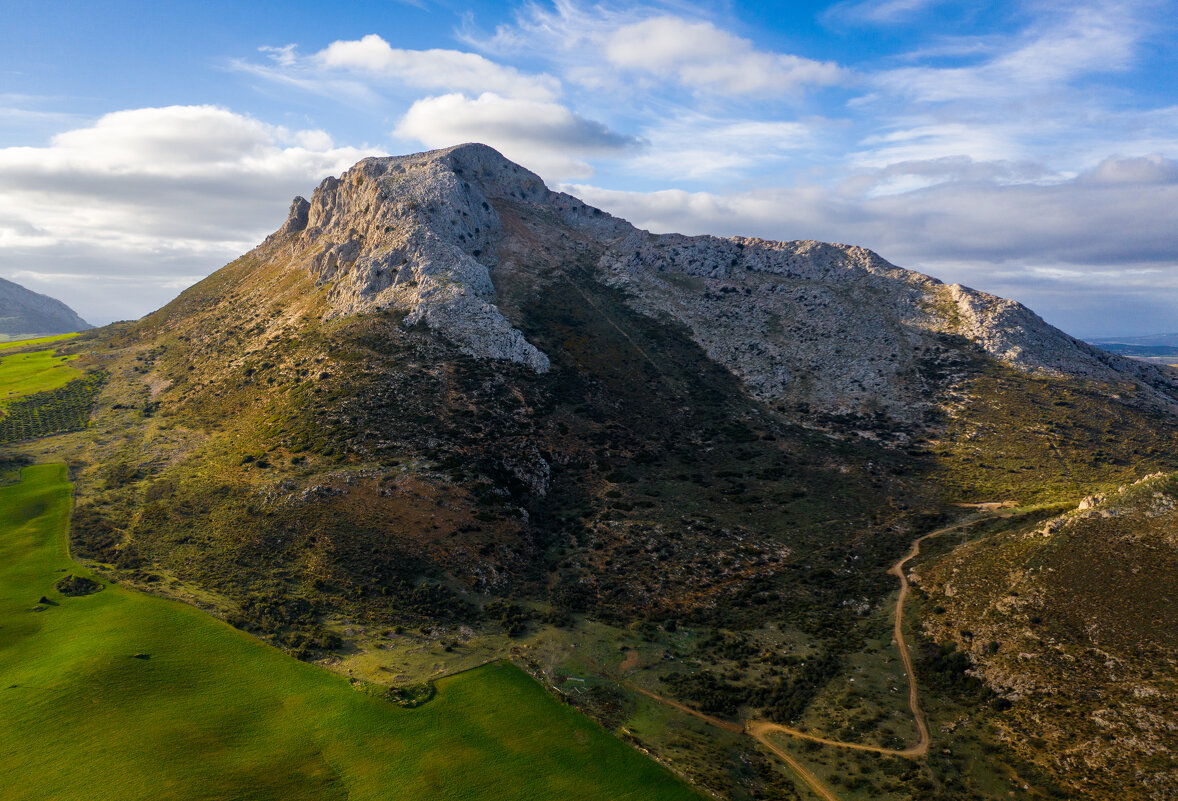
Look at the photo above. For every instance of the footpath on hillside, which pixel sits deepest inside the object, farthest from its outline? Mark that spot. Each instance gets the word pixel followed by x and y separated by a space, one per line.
pixel 760 730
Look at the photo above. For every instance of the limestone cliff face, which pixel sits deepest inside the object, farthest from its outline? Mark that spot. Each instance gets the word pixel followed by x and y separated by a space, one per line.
pixel 417 233
pixel 826 327
pixel 23 311
pixel 839 328
pixel 812 324
pixel 1012 333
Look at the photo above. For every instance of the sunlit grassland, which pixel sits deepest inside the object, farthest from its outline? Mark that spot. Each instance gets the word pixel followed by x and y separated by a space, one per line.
pixel 1041 440
pixel 39 371
pixel 122 695
pixel 8 341
pixel 42 393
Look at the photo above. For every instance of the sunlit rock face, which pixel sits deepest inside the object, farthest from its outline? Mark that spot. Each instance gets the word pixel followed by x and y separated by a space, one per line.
pixel 804 323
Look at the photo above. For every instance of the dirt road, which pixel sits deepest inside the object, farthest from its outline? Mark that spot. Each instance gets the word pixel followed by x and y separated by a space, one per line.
pixel 760 730
pixel 717 722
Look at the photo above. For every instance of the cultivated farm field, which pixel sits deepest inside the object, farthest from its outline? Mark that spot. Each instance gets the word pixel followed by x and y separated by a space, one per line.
pixel 35 371
pixel 41 392
pixel 8 342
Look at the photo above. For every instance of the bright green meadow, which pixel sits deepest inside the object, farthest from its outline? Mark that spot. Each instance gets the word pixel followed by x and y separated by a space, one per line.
pixel 18 342
pixel 39 371
pixel 122 695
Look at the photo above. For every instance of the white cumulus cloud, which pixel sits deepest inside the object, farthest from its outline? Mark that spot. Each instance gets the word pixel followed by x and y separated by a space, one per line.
pixel 353 67
pixel 545 137
pixel 701 56
pixel 111 215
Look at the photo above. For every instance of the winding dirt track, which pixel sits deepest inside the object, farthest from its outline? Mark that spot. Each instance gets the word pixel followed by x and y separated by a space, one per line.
pixel 761 729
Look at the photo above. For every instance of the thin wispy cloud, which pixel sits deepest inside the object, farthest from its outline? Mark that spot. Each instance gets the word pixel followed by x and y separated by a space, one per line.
pixel 370 63
pixel 601 45
pixel 701 147
pixel 878 12
pixel 1060 48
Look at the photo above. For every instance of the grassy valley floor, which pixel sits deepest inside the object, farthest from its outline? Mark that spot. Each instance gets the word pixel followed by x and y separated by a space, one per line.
pixel 121 695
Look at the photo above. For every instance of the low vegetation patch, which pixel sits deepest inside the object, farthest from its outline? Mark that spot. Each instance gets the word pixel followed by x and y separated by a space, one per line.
pixel 411 696
pixel 73 586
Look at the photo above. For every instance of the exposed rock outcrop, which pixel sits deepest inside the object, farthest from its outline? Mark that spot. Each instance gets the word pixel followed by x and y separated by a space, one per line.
pixel 839 327
pixel 814 325
pixel 1012 333
pixel 417 233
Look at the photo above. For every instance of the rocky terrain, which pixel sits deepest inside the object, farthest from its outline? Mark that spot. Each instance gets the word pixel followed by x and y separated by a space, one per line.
pixel 27 313
pixel 819 327
pixel 809 324
pixel 444 414
pixel 1074 622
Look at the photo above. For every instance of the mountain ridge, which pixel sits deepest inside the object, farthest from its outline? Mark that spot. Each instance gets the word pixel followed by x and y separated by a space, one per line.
pixel 26 313
pixel 418 233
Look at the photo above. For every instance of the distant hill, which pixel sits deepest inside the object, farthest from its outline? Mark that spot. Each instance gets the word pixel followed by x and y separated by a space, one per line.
pixel 1159 349
pixel 23 311
pixel 1167 342
pixel 1140 350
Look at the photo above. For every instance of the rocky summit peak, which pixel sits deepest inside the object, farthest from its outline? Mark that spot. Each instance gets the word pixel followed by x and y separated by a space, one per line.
pixel 417 233
pixel 807 323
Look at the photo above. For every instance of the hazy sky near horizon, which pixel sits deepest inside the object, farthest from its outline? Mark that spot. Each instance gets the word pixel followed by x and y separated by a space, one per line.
pixel 1026 149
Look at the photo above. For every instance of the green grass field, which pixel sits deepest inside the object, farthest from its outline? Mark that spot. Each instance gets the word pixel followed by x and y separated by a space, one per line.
pixel 38 371
pixel 18 342
pixel 41 393
pixel 121 695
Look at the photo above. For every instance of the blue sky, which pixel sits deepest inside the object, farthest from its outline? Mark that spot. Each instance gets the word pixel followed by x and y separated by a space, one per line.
pixel 1026 149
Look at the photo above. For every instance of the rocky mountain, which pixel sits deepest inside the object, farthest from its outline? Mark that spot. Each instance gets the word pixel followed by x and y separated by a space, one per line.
pixel 24 312
pixel 444 413
pixel 823 325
